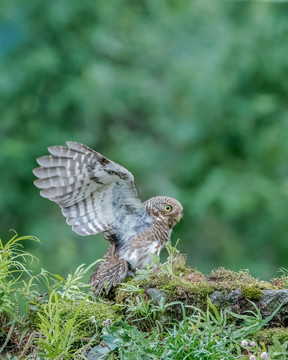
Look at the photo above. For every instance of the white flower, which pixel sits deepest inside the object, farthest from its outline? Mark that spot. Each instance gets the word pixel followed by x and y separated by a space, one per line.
pixel 107 322
pixel 252 357
pixel 264 355
pixel 253 343
pixel 244 343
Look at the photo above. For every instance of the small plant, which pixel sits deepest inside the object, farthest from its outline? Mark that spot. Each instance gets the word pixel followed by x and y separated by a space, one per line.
pixel 146 312
pixel 203 335
pixel 72 289
pixel 284 276
pixel 10 253
pixel 57 336
pixel 183 342
pixel 278 350
pixel 156 266
pixel 139 309
pixel 209 335
pixel 252 321
pixel 12 269
pixel 128 341
pixel 284 271
pixel 168 267
pixel 131 288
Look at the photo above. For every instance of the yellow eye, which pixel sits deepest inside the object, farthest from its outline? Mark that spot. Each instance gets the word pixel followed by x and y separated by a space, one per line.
pixel 168 208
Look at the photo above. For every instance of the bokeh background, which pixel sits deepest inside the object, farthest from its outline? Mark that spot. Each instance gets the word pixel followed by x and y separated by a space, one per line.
pixel 190 96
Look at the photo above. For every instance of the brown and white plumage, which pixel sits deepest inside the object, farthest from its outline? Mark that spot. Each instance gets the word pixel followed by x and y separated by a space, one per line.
pixel 97 195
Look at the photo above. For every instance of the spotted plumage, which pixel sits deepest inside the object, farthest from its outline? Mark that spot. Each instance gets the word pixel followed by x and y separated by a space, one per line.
pixel 97 195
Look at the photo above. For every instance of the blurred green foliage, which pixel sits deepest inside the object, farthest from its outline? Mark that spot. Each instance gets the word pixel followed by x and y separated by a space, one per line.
pixel 190 96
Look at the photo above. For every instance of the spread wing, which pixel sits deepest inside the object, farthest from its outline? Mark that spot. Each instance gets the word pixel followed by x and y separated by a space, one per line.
pixel 94 193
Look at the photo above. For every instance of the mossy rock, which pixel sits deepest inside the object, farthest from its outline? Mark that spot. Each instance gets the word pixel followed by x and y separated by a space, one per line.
pixel 231 290
pixel 187 284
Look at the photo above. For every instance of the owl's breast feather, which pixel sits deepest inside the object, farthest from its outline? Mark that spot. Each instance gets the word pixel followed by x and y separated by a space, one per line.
pixel 138 249
pixel 138 254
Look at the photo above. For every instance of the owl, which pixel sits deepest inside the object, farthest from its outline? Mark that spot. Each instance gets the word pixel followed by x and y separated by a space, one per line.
pixel 98 195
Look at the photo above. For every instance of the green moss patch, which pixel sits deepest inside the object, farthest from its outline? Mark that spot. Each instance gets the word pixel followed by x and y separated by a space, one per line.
pixel 267 336
pixel 90 317
pixel 251 292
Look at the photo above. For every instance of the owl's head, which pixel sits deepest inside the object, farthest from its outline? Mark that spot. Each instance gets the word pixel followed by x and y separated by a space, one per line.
pixel 164 208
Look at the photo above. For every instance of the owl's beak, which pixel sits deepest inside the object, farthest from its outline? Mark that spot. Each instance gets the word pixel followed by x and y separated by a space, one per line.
pixel 178 217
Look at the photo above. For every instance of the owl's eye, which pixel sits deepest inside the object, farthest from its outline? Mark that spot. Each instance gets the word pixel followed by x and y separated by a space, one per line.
pixel 168 208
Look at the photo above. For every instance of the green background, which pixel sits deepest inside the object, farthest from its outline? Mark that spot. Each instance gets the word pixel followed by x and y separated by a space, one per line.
pixel 190 96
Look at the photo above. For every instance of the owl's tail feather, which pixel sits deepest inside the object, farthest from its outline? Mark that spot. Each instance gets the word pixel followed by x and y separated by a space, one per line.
pixel 108 273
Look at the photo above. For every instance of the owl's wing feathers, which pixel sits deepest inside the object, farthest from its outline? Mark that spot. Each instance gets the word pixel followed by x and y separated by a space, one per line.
pixel 94 193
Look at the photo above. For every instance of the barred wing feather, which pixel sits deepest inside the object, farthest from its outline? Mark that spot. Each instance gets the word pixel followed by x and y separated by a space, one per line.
pixel 94 193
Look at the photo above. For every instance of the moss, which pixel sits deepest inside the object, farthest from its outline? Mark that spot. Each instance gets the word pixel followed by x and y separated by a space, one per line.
pixel 179 265
pixel 188 293
pixel 192 287
pixel 267 335
pixel 90 311
pixel 230 280
pixel 251 292
pixel 223 275
pixel 176 287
